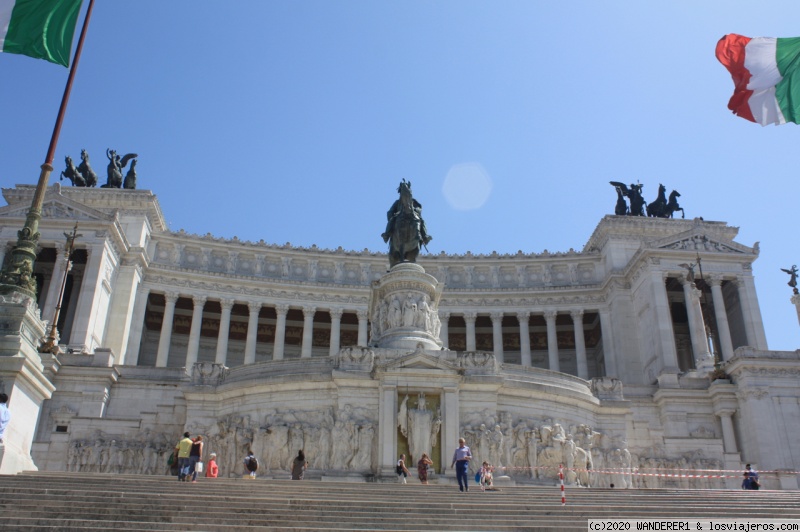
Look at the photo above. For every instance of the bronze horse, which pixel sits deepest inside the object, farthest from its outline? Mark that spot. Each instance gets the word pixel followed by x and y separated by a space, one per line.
pixel 405 231
pixel 72 173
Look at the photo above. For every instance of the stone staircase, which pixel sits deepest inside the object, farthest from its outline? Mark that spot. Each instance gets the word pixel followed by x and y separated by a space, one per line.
pixel 78 501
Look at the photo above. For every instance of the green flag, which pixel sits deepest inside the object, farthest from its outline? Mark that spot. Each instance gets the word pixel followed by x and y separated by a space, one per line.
pixel 39 28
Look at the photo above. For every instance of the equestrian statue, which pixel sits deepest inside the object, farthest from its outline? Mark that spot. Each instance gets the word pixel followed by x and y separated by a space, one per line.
pixel 72 173
pixel 405 229
pixel 86 170
pixel 634 194
pixel 661 208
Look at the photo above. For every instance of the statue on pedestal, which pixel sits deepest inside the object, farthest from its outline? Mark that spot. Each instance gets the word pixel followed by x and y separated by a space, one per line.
pixel 405 229
pixel 793 277
pixel 420 425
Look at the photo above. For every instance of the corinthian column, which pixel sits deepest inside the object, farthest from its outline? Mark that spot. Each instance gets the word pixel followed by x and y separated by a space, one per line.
pixel 308 331
pixel 444 332
pixel 552 340
pixel 697 328
pixel 469 319
pixel 224 331
pixel 497 335
pixel 336 330
pixel 165 337
pixel 363 321
pixel 524 338
pixel 580 344
pixel 194 332
pixel 723 328
pixel 252 332
pixel 280 331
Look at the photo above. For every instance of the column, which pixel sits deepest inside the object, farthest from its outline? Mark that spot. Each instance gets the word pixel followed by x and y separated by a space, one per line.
pixel 552 340
pixel 280 331
pixel 524 338
pixel 362 327
pixel 697 328
pixel 336 330
pixel 796 302
pixel 444 331
pixel 387 430
pixel 54 288
pixel 469 319
pixel 308 331
pixel 224 331
pixel 664 332
pixel 252 332
pixel 194 331
pixel 723 328
pixel 609 353
pixel 728 435
pixel 753 324
pixel 450 425
pixel 497 335
pixel 166 329
pixel 85 310
pixel 580 344
pixel 137 326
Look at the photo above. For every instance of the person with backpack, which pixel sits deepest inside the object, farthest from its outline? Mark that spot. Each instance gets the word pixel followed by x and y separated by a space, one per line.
pixel 251 464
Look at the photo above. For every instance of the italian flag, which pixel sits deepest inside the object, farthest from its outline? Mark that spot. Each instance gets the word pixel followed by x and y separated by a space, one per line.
pixel 766 76
pixel 39 28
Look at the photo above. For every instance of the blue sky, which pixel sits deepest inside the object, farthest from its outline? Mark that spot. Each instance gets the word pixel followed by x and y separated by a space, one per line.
pixel 295 121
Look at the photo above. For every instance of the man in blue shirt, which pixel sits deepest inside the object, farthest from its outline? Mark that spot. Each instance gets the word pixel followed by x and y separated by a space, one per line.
pixel 461 459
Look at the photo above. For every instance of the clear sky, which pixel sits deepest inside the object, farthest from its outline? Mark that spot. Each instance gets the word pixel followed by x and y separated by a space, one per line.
pixel 294 121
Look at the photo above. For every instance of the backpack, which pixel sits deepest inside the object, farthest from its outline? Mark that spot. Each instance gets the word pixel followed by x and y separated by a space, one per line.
pixel 252 464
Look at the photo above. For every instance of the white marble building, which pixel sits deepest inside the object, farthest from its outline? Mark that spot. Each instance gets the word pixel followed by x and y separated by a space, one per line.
pixel 603 356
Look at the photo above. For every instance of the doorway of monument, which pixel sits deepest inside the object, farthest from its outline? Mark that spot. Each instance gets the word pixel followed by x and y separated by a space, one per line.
pixel 419 422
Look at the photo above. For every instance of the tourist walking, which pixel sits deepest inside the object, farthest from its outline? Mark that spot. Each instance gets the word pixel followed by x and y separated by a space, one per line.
pixel 422 468
pixel 195 455
pixel 750 482
pixel 401 469
pixel 184 448
pixel 212 469
pixel 251 465
pixel 461 459
pixel 299 466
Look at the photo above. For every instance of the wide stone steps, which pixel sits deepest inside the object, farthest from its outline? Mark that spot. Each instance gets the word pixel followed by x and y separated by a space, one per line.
pixel 79 501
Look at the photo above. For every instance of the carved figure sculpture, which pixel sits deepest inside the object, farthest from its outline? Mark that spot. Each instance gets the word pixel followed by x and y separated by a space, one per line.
pixel 420 426
pixel 792 277
pixel 115 166
pixel 405 229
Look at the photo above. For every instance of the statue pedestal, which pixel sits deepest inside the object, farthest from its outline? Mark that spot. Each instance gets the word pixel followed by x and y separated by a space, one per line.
pixel 22 377
pixel 404 309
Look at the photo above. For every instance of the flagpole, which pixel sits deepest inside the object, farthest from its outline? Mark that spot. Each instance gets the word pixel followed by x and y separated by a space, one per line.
pixel 17 275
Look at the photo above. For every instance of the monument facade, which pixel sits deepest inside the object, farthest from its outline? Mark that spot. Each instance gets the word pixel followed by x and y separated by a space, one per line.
pixel 614 360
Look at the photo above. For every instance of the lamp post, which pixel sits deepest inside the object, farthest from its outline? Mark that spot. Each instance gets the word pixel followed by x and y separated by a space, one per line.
pixel 50 344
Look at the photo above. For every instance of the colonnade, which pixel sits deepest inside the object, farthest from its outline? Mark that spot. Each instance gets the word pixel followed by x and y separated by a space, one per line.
pixel 226 305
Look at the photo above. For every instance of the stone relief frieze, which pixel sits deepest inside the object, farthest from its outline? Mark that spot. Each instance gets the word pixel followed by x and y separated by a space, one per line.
pixel 333 439
pixel 145 453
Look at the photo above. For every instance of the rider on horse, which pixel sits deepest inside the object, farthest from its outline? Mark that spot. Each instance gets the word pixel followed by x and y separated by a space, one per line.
pixel 394 213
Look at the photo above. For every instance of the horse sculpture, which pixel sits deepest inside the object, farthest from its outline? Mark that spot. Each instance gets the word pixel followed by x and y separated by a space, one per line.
pixel 672 204
pixel 72 173
pixel 86 170
pixel 658 208
pixel 130 177
pixel 621 209
pixel 405 230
